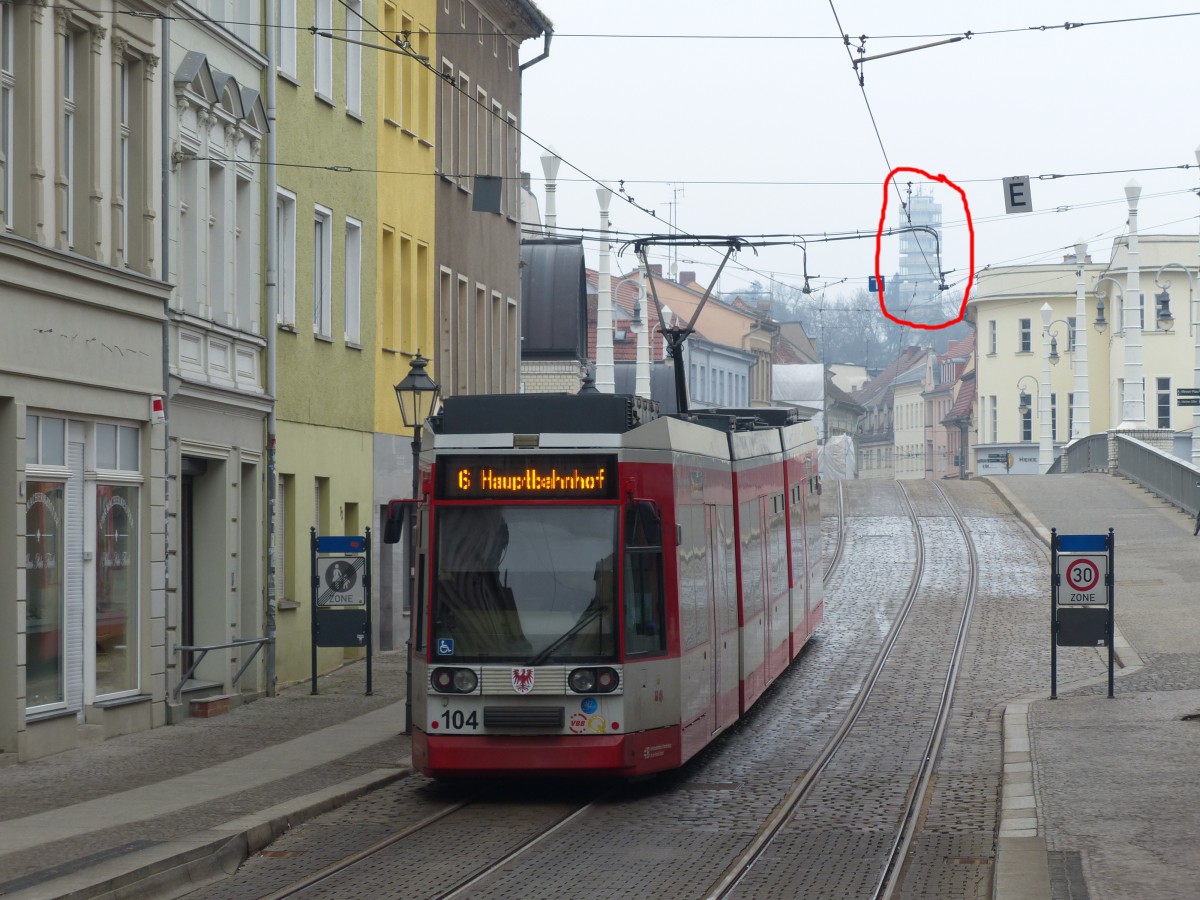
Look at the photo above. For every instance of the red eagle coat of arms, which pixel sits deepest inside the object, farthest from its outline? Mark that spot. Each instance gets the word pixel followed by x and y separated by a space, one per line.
pixel 522 680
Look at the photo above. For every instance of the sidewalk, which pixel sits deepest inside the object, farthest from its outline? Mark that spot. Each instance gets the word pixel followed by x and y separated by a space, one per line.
pixel 1102 796
pixel 181 804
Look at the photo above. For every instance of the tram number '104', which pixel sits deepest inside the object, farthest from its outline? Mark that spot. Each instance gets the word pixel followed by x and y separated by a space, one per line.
pixel 457 720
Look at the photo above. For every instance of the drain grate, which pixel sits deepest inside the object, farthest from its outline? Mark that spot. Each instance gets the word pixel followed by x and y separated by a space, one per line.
pixel 1066 875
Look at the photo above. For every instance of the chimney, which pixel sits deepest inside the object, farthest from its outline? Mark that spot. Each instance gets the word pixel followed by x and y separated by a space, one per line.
pixel 656 269
pixel 686 278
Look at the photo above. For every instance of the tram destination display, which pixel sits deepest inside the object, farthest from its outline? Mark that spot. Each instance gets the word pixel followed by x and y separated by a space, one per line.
pixel 528 477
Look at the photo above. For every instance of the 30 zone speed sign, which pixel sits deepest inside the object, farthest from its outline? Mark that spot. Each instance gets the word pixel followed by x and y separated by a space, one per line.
pixel 1081 579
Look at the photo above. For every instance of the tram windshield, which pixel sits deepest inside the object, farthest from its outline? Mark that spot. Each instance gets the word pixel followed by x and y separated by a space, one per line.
pixel 529 584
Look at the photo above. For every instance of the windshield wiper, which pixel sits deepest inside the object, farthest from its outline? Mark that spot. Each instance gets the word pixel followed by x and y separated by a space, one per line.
pixel 590 616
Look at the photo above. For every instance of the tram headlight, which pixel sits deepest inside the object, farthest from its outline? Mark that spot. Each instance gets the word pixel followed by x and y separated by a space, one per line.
pixel 465 681
pixel 448 680
pixel 602 680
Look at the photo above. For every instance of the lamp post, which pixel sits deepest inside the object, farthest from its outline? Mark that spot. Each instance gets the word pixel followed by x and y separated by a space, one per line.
pixel 1101 323
pixel 1196 378
pixel 641 380
pixel 1133 405
pixel 605 376
pixel 1081 421
pixel 1045 440
pixel 414 410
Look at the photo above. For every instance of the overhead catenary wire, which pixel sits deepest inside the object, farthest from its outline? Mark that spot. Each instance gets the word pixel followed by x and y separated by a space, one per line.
pixel 722 37
pixel 329 34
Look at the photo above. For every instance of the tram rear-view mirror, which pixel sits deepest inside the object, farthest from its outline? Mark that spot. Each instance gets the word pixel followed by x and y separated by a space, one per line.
pixel 393 525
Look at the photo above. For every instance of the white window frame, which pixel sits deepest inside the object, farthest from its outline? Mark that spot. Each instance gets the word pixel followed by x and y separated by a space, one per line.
pixel 353 12
pixel 353 301
pixel 287 38
pixel 322 272
pixel 285 258
pixel 323 51
pixel 1162 393
pixel 1024 335
pixel 991 337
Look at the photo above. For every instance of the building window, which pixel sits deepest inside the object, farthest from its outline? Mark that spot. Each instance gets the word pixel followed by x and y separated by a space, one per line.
pixel 1026 424
pixel 354 57
pixel 424 106
pixel 1024 336
pixel 217 222
pixel 45 560
pixel 71 164
pixel 1070 416
pixel 287 37
pixel 992 337
pixel 285 258
pixel 462 134
pixel 410 81
pixel 121 164
pixel 1054 417
pixel 246 248
pixel 391 71
pixel 389 317
pixel 512 160
pixel 353 281
pixel 323 51
pixel 117 566
pixel 1070 334
pixel 481 124
pixel 8 86
pixel 45 582
pixel 447 121
pixel 1164 402
pixel 322 276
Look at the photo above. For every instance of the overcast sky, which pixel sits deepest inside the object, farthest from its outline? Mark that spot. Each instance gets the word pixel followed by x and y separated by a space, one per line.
pixel 726 127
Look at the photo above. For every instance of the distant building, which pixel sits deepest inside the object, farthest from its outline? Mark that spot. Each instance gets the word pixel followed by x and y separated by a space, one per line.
pixel 916 281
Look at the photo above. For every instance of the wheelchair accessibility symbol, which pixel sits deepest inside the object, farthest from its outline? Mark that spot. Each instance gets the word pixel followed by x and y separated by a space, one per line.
pixel 445 646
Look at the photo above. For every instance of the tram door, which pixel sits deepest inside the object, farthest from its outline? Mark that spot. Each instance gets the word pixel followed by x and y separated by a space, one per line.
pixel 715 600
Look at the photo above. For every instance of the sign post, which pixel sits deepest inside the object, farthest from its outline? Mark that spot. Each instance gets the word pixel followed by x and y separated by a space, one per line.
pixel 1082 596
pixel 1187 396
pixel 341 595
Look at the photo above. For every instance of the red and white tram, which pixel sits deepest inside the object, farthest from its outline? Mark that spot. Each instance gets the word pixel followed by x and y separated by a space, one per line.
pixel 601 589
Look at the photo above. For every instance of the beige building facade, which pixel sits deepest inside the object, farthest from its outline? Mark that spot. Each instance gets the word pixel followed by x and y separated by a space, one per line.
pixel 1085 386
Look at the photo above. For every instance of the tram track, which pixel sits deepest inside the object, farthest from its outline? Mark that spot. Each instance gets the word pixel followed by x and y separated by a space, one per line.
pixel 835 555
pixel 331 879
pixel 892 871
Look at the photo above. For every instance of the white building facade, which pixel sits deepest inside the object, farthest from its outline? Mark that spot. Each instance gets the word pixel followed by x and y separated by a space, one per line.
pixel 81 368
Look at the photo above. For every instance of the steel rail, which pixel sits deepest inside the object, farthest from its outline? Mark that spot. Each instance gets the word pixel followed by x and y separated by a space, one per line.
pixel 836 556
pixel 477 875
pixel 921 789
pixel 801 788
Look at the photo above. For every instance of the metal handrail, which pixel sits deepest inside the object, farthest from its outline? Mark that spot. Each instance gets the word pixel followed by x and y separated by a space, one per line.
pixel 203 649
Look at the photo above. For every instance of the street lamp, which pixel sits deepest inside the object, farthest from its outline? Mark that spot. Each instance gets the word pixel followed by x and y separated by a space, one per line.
pixel 1100 322
pixel 1024 407
pixel 1165 319
pixel 411 394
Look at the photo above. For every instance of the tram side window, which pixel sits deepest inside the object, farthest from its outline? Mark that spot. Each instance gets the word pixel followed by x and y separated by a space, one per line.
pixel 645 611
